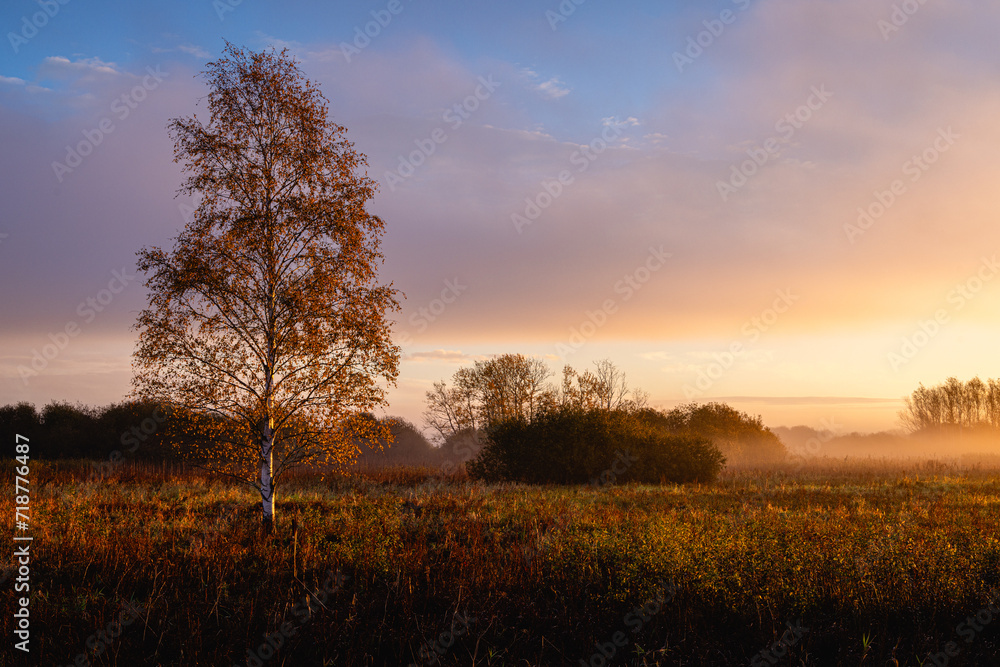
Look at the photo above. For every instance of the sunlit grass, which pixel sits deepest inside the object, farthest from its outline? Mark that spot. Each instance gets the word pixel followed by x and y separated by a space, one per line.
pixel 897 553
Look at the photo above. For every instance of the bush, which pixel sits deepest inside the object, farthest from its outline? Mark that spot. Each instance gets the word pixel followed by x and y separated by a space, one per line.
pixel 741 438
pixel 21 419
pixel 70 431
pixel 570 445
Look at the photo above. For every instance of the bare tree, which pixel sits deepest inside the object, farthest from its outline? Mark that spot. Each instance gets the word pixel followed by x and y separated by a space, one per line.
pixel 972 404
pixel 267 313
pixel 993 403
pixel 513 386
pixel 922 411
pixel 504 387
pixel 605 388
pixel 975 401
pixel 451 410
pixel 510 386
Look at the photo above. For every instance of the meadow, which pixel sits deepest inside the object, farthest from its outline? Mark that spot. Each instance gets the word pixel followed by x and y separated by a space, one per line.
pixel 837 562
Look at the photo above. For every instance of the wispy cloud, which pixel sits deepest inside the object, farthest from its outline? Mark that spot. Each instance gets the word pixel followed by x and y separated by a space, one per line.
pixel 194 50
pixel 183 47
pixel 60 67
pixel 552 88
pixel 446 356
pixel 292 45
pixel 615 121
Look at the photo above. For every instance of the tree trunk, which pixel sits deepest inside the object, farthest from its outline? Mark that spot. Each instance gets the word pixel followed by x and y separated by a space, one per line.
pixel 266 484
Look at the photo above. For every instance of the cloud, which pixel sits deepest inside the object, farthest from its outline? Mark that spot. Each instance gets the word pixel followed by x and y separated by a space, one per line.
pixel 268 41
pixel 810 400
pixel 693 361
pixel 783 229
pixel 12 81
pixel 446 356
pixel 193 50
pixel 552 88
pixel 614 121
pixel 59 67
pixel 184 47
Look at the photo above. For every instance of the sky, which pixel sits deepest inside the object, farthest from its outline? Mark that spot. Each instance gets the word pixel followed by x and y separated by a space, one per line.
pixel 787 206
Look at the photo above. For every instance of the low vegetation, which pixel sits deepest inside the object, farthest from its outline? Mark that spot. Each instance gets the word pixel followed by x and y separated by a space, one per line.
pixel 590 530
pixel 871 563
pixel 570 445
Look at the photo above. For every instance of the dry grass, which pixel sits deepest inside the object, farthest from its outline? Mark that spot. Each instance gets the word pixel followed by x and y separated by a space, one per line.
pixel 898 552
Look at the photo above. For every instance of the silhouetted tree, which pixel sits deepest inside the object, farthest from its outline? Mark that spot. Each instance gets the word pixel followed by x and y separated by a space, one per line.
pixel 21 419
pixel 504 387
pixel 953 405
pixel 605 388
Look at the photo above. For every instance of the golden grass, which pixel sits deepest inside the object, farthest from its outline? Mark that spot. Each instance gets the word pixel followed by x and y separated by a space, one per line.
pixel 900 552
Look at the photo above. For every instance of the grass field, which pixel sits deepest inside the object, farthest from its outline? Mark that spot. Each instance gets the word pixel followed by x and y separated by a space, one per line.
pixel 837 563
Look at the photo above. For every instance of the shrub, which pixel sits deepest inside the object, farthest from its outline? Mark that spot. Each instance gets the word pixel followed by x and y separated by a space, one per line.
pixel 69 431
pixel 741 438
pixel 21 419
pixel 570 445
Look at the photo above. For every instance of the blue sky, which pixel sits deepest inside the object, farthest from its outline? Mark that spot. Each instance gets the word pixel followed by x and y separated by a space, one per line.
pixel 841 151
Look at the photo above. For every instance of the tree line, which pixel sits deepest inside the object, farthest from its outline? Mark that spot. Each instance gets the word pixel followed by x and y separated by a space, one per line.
pixel 513 386
pixel 524 428
pixel 155 432
pixel 64 431
pixel 953 405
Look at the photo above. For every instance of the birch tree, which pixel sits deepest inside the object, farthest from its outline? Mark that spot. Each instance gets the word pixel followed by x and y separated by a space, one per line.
pixel 267 317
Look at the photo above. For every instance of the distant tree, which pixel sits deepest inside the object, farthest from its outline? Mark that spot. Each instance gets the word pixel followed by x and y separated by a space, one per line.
pixel 922 410
pixel 739 436
pixel 504 387
pixel 20 419
pixel 953 405
pixel 605 388
pixel 459 448
pixel 72 431
pixel 513 386
pixel 454 409
pixel 138 429
pixel 267 314
pixel 405 446
pixel 510 386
